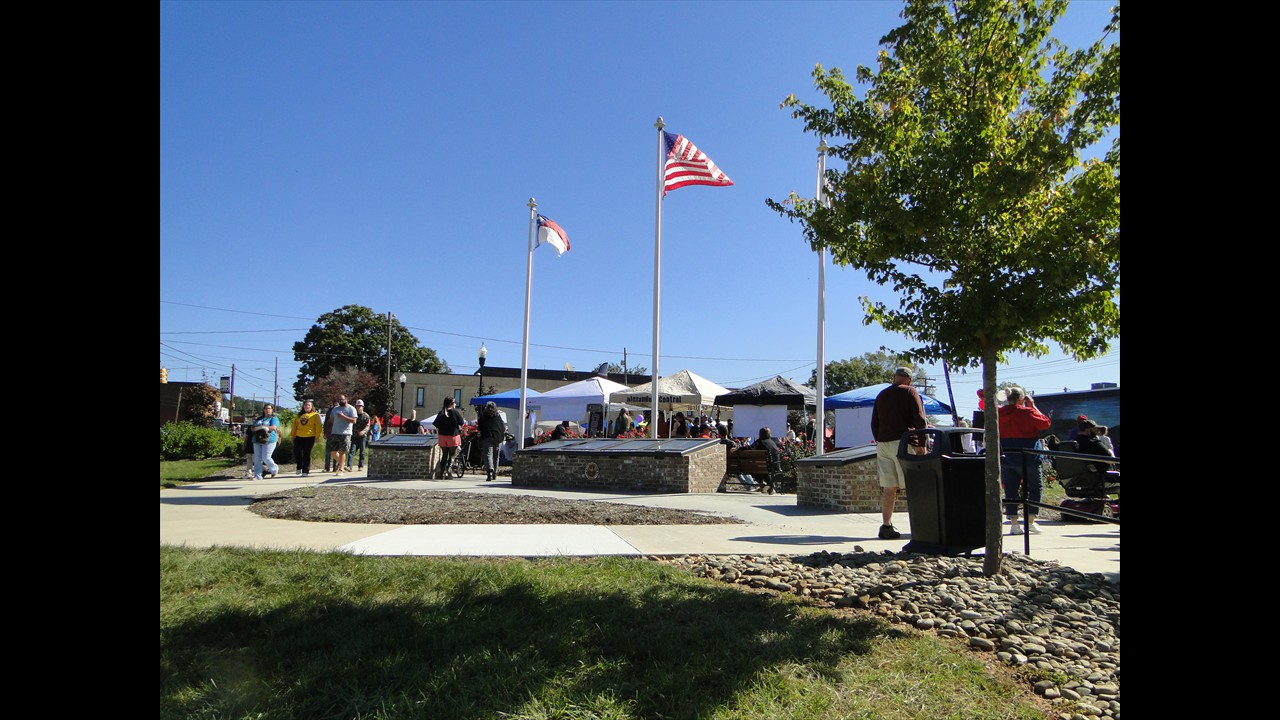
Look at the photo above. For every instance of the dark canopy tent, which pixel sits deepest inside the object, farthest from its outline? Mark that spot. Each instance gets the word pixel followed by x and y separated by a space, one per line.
pixel 777 390
pixel 766 404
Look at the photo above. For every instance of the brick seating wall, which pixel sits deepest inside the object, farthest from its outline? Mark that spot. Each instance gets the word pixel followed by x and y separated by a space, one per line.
pixel 402 463
pixel 852 487
pixel 700 471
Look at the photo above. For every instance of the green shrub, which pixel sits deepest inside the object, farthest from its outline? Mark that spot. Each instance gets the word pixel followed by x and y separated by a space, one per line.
pixel 791 451
pixel 284 448
pixel 186 441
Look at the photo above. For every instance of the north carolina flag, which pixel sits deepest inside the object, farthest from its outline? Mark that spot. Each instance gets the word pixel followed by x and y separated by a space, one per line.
pixel 552 234
pixel 687 165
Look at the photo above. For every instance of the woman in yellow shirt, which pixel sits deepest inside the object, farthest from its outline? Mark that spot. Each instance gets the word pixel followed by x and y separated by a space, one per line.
pixel 306 428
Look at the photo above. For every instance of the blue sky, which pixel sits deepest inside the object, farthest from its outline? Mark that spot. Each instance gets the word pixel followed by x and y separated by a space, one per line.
pixel 320 154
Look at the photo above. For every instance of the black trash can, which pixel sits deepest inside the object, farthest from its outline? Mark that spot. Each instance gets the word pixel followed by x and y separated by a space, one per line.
pixel 946 491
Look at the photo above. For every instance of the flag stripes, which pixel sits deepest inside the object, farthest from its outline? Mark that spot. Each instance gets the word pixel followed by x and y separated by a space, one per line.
pixel 687 165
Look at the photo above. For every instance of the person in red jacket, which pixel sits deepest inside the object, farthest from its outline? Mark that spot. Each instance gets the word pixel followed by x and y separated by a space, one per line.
pixel 1020 426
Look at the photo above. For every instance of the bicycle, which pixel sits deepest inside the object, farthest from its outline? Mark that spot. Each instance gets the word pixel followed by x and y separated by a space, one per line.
pixel 461 462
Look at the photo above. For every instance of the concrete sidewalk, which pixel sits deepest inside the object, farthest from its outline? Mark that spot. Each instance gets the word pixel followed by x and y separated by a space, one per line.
pixel 216 513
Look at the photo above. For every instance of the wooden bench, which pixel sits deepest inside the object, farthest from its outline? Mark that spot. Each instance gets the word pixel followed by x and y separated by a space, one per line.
pixel 745 461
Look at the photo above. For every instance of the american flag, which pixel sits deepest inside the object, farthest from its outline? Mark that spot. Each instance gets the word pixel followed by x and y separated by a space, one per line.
pixel 687 165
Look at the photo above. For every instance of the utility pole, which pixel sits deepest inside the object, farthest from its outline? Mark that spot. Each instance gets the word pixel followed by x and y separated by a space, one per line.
pixel 275 397
pixel 624 367
pixel 233 390
pixel 946 373
pixel 390 315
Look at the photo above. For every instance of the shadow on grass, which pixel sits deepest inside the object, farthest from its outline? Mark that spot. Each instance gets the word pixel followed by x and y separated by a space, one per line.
pixel 462 640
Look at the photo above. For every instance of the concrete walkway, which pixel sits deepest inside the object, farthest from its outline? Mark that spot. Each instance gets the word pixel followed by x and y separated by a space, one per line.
pixel 216 514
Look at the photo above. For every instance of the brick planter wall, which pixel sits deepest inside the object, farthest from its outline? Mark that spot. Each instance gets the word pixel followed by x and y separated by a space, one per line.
pixel 698 471
pixel 850 487
pixel 402 463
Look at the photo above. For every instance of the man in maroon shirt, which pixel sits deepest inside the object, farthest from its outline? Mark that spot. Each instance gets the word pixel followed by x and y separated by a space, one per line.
pixel 897 410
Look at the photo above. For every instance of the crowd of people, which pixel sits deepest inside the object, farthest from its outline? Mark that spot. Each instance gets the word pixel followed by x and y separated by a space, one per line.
pixel 898 409
pixel 701 426
pixel 348 430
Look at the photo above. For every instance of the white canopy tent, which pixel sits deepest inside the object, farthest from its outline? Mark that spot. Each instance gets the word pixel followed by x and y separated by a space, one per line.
pixel 570 401
pixel 679 391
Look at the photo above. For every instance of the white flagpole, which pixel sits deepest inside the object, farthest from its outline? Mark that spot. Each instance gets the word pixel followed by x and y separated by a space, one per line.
pixel 528 295
pixel 820 428
pixel 657 277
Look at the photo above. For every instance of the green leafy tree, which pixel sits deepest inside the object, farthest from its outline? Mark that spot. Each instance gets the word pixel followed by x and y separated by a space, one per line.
pixel 631 370
pixel 974 188
pixel 196 404
pixel 872 368
pixel 354 336
pixel 352 382
pixel 248 407
pixel 378 400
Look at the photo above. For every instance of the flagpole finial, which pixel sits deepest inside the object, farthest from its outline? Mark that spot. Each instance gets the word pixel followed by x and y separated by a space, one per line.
pixel 533 203
pixel 659 124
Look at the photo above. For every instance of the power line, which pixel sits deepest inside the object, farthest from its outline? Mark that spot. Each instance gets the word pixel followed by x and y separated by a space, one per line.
pixel 485 338
pixel 1038 369
pixel 242 312
pixel 750 381
pixel 215 332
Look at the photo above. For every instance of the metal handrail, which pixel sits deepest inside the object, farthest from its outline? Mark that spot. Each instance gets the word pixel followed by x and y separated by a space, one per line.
pixel 1028 504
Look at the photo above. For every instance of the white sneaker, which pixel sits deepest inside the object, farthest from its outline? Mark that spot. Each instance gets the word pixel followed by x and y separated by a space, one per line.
pixel 1033 528
pixel 1014 528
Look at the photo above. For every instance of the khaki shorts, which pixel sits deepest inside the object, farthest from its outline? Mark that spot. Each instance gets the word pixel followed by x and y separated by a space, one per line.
pixel 887 465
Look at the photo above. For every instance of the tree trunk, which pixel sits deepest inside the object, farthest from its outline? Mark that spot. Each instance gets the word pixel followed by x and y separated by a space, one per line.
pixel 991 441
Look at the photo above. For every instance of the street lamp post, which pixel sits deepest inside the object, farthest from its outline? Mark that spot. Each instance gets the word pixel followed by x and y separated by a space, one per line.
pixel 403 380
pixel 484 353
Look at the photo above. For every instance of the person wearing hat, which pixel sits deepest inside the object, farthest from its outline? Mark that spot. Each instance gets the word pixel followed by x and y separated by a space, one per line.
pixel 1079 428
pixel 897 409
pixel 1091 441
pixel 359 437
pixel 1021 423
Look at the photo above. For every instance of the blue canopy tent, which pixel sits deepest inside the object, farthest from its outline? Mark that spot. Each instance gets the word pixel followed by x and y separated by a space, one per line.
pixel 866 397
pixel 853 413
pixel 508 399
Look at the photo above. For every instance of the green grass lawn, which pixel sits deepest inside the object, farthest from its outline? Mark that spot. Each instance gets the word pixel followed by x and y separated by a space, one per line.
pixel 276 634
pixel 174 473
